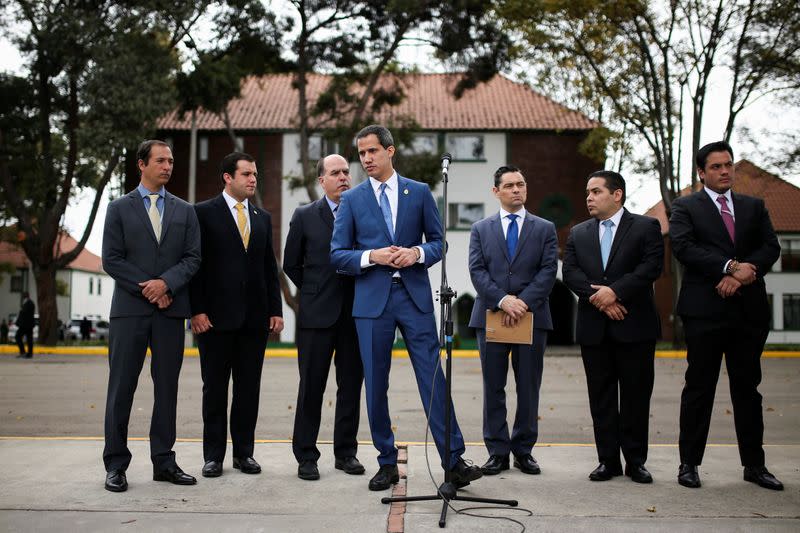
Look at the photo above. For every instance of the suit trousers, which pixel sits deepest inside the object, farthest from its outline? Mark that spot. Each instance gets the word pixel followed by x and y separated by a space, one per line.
pixel 742 347
pixel 375 337
pixel 619 377
pixel 22 335
pixel 238 353
pixel 527 362
pixel 129 338
pixel 315 348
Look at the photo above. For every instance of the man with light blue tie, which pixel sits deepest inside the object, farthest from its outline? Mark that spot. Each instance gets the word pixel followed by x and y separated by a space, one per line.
pixel 611 262
pixel 378 238
pixel 513 259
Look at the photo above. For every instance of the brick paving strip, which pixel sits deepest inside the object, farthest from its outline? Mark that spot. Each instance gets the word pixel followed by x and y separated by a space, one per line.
pixel 397 510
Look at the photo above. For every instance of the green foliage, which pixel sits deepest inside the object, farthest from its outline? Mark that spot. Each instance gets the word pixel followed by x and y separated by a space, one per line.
pixel 62 287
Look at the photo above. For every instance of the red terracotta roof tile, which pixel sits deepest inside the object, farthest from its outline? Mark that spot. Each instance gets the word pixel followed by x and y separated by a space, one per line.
pixel 86 260
pixel 270 103
pixel 780 197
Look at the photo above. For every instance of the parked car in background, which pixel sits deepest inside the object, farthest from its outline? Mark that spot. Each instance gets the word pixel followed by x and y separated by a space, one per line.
pixel 98 331
pixel 12 328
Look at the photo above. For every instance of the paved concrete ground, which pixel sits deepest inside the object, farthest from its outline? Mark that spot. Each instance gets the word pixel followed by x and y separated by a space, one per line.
pixel 54 484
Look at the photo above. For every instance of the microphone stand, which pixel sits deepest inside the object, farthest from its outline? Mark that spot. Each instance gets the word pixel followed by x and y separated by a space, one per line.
pixel 447 491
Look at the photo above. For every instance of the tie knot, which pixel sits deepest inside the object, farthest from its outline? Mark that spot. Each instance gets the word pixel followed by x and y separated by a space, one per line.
pixel 383 187
pixel 722 200
pixel 153 197
pixel 608 223
pixel 239 206
pixel 512 217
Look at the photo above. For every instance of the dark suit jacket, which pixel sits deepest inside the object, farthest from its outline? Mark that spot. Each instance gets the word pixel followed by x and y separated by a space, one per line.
pixel 360 226
pixel 529 275
pixel 131 254
pixel 25 320
pixel 236 288
pixel 307 262
pixel 634 264
pixel 702 244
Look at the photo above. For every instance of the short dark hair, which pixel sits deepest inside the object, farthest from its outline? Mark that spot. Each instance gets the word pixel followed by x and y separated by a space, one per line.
pixel 505 169
pixel 229 162
pixel 383 134
pixel 614 181
pixel 26 294
pixel 143 152
pixel 702 154
pixel 321 166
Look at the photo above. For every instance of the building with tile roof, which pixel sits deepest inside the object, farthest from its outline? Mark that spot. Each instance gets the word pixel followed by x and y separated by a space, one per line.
pixel 498 122
pixel 85 288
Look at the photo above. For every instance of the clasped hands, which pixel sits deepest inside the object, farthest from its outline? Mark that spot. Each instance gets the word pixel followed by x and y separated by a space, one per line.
pixel 745 274
pixel 201 323
pixel 514 309
pixel 394 256
pixel 155 290
pixel 605 299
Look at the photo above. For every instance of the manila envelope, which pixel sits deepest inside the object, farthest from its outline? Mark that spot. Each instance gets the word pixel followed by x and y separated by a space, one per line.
pixel 522 333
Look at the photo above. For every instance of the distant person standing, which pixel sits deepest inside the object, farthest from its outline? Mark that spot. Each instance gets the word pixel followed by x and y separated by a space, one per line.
pixel 4 332
pixel 25 325
pixel 86 329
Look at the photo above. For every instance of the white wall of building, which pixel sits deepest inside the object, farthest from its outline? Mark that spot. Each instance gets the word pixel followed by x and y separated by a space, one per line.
pixel 780 283
pixel 84 301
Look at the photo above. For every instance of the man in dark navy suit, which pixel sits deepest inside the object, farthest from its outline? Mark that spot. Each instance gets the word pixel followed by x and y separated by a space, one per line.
pixel 236 304
pixel 325 325
pixel 611 262
pixel 513 259
pixel 378 237
pixel 726 244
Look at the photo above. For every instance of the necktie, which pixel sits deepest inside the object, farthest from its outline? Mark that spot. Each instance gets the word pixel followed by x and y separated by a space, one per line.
pixel 512 236
pixel 241 221
pixel 155 218
pixel 605 242
pixel 727 217
pixel 335 209
pixel 387 210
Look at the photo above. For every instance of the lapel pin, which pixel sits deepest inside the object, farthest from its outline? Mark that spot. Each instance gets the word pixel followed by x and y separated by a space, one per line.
pixel 405 191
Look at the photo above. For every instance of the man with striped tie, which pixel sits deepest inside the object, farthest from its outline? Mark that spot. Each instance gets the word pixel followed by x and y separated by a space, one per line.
pixel 236 304
pixel 611 262
pixel 726 244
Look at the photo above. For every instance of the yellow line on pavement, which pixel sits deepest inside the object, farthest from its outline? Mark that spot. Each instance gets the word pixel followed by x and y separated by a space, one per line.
pixel 292 352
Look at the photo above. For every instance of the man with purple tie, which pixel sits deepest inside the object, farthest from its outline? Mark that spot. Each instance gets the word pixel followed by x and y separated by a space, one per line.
pixel 726 244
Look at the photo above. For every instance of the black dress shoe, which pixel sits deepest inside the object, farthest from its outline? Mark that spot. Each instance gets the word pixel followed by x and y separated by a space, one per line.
pixel 527 464
pixel 247 465
pixel 116 481
pixel 760 475
pixel 462 473
pixel 638 473
pixel 174 475
pixel 495 465
pixel 24 356
pixel 308 470
pixel 688 476
pixel 212 469
pixel 387 476
pixel 350 465
pixel 605 471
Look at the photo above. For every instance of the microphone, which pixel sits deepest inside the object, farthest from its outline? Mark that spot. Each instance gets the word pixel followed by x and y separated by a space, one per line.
pixel 446 157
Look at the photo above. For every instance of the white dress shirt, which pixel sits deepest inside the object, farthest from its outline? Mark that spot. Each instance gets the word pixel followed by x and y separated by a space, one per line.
pixel 231 201
pixel 714 195
pixel 392 194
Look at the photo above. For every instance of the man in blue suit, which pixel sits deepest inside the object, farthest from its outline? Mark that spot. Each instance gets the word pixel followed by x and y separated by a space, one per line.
pixel 513 259
pixel 378 238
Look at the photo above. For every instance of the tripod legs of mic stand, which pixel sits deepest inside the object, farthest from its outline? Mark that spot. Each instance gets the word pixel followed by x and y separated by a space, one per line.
pixel 448 493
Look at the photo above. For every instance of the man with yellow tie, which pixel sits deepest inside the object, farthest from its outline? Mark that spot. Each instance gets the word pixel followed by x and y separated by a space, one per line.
pixel 236 304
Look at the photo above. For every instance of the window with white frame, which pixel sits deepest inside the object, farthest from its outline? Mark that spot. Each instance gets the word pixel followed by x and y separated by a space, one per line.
pixel 466 147
pixel 791 312
pixel 790 255
pixel 464 215
pixel 424 143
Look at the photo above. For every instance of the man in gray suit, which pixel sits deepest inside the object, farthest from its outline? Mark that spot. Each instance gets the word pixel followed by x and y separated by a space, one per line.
pixel 513 258
pixel 151 247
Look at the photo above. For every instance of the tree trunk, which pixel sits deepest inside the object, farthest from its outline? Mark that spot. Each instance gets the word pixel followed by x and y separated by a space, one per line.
pixel 46 304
